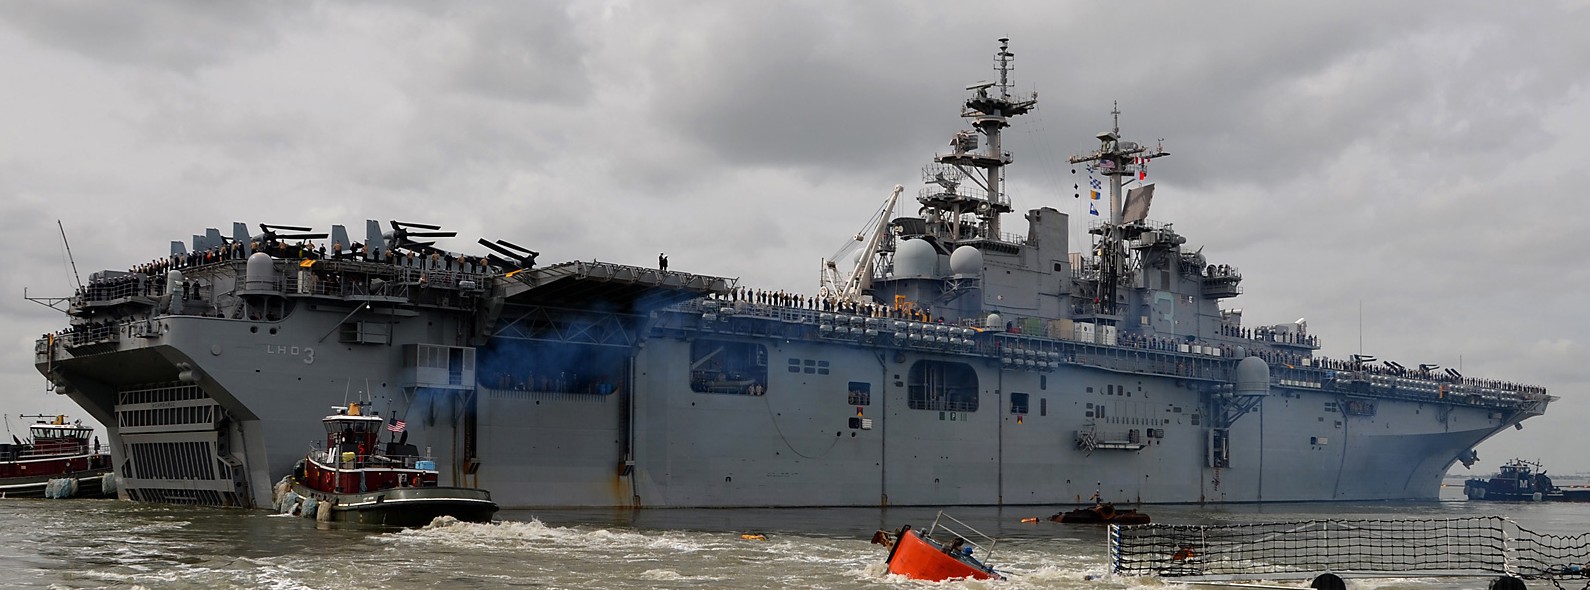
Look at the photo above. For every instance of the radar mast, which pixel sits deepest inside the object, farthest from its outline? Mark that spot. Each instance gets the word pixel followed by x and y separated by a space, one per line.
pixel 1114 158
pixel 944 200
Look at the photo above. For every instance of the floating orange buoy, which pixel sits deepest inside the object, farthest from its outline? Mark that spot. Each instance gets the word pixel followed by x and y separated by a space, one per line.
pixel 753 536
pixel 1030 519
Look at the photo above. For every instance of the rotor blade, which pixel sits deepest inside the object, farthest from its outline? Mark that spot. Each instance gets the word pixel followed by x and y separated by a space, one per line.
pixel 432 234
pixel 495 248
pixel 405 224
pixel 320 236
pixel 413 245
pixel 517 247
pixel 263 226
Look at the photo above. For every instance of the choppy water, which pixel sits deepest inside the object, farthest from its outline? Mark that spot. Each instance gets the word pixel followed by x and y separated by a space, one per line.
pixel 112 544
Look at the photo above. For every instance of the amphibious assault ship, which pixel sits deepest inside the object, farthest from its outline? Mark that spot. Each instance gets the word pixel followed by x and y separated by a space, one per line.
pixel 956 364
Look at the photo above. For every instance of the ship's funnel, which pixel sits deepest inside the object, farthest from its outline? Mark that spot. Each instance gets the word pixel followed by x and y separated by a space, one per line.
pixel 1253 376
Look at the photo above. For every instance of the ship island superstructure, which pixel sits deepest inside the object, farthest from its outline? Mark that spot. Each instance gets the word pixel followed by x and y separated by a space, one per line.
pixel 957 364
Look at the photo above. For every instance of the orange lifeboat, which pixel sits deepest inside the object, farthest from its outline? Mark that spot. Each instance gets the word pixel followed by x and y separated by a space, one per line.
pixel 920 557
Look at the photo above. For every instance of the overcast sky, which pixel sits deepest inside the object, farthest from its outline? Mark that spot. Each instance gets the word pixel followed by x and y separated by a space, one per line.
pixel 1422 160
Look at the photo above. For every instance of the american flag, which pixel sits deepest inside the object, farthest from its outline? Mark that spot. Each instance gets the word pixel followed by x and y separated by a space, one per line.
pixel 396 425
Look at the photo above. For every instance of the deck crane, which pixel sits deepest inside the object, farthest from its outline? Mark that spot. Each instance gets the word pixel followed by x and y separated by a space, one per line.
pixel 855 287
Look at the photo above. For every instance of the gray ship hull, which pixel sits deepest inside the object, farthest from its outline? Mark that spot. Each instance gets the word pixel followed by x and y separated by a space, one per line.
pixel 660 444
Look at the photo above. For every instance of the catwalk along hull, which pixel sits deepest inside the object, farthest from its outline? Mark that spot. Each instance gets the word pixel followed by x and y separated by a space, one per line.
pixel 957 363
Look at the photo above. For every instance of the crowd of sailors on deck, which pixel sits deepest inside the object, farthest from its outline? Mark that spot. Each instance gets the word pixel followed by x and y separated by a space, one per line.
pixel 308 250
pixel 92 331
pixel 148 279
pixel 1431 375
pixel 121 285
pixel 1270 334
pixel 1222 270
pixel 828 304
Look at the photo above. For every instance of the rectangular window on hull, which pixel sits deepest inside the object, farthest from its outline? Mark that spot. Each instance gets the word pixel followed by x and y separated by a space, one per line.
pixel 718 366
pixel 938 385
pixel 809 366
pixel 1019 402
pixel 860 393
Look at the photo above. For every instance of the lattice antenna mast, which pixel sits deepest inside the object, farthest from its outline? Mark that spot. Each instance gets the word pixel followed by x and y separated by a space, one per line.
pixel 990 113
pixel 1114 159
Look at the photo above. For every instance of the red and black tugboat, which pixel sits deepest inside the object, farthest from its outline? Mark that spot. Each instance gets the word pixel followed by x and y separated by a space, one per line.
pixel 351 480
pixel 925 557
pixel 1101 512
pixel 55 450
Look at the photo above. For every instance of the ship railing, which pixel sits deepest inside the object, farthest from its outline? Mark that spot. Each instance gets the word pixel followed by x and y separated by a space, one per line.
pixel 1287 338
pixel 357 280
pixel 982 543
pixel 1088 270
pixel 799 315
pixel 1095 437
pixel 944 404
pixel 1006 237
pixel 1414 388
pixel 838 324
pixel 339 277
pixel 961 193
pixel 370 458
pixel 1046 343
pixel 125 286
pixel 91 333
pixel 14 454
